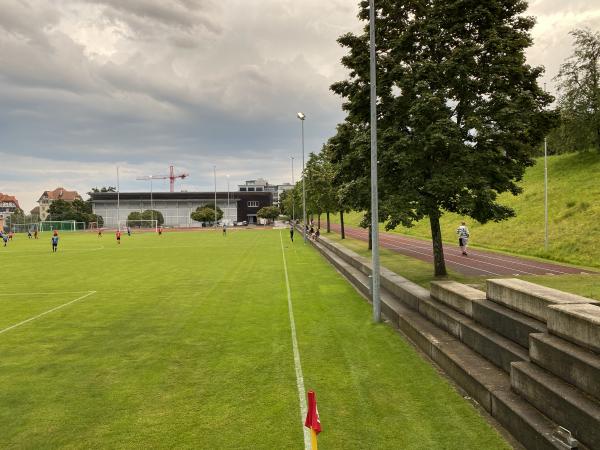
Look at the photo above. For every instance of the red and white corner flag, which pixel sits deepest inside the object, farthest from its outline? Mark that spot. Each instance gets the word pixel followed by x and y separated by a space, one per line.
pixel 312 419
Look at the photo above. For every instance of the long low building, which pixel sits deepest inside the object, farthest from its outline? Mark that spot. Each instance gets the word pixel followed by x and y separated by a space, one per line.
pixel 176 207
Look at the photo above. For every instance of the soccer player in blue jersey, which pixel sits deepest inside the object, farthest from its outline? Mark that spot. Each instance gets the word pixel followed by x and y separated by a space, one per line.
pixel 54 243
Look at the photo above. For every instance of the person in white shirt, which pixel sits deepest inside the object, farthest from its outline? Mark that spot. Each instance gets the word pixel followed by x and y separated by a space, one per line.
pixel 463 237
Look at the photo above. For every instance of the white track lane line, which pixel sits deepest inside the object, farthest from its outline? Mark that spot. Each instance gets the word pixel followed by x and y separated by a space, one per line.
pixel 429 255
pixel 2 294
pixel 297 363
pixel 448 256
pixel 401 239
pixel 46 312
pixel 511 263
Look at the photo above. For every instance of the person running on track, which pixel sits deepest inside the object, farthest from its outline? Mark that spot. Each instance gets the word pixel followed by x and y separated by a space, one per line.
pixel 463 237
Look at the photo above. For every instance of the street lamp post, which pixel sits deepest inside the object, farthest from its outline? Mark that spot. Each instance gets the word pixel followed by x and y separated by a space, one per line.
pixel 151 199
pixel 227 194
pixel 374 194
pixel 302 116
pixel 150 178
pixel 293 196
pixel 545 189
pixel 215 176
pixel 118 200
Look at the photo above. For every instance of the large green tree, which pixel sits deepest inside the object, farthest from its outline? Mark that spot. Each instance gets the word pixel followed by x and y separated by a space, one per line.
pixel 460 111
pixel 269 212
pixel 321 194
pixel 206 213
pixel 152 214
pixel 579 99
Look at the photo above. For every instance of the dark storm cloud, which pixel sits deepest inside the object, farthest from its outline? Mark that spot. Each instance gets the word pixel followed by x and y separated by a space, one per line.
pixel 89 84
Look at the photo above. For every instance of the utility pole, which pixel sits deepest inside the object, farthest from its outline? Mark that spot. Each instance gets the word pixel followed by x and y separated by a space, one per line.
pixel 118 201
pixel 293 196
pixel 215 175
pixel 545 189
pixel 374 194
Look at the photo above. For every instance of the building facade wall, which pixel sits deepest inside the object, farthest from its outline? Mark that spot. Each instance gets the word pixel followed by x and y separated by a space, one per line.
pixel 176 208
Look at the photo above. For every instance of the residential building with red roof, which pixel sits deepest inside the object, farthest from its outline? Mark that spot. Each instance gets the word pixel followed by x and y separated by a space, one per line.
pixel 51 196
pixel 8 205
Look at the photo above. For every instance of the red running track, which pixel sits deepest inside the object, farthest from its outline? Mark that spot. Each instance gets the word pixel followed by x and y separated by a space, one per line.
pixel 478 262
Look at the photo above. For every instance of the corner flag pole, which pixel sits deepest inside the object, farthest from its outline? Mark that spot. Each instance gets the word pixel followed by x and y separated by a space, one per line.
pixel 215 175
pixel 312 419
pixel 118 200
pixel 374 194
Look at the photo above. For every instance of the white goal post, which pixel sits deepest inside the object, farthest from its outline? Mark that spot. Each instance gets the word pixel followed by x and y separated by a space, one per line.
pixel 139 224
pixel 25 227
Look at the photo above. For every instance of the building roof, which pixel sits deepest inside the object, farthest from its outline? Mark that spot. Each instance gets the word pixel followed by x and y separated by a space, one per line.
pixel 35 210
pixel 203 196
pixel 5 198
pixel 61 194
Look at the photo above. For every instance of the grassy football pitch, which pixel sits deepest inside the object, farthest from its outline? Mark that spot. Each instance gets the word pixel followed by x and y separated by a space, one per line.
pixel 184 341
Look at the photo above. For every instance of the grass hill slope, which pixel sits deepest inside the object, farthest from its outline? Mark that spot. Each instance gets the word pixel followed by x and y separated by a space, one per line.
pixel 574 214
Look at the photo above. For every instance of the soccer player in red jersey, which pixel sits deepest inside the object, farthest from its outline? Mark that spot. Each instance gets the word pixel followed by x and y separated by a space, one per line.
pixel 118 235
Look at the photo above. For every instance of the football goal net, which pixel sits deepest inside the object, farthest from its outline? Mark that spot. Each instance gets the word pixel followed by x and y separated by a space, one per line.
pixel 25 227
pixel 61 225
pixel 138 224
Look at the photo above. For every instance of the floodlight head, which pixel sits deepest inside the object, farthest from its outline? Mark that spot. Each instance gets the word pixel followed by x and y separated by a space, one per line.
pixel 301 116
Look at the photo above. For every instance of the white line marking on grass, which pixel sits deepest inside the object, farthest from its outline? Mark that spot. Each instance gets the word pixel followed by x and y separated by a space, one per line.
pixel 47 312
pixel 42 293
pixel 297 363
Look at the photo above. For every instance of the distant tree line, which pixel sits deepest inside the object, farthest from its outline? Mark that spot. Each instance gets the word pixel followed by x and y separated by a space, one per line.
pixel 579 97
pixel 460 117
pixel 137 218
pixel 77 210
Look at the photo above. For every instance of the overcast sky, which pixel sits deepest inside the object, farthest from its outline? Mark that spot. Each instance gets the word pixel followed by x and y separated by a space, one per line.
pixel 89 85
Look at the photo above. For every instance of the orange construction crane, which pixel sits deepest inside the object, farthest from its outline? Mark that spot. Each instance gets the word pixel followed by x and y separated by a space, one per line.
pixel 171 177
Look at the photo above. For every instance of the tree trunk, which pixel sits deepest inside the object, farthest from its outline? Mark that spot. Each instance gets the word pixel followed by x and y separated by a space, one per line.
pixel 328 223
pixel 438 250
pixel 342 225
pixel 319 220
pixel 370 239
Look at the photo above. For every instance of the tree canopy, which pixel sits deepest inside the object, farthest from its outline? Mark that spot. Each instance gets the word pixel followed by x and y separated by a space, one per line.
pixel 206 213
pixel 269 212
pixel 77 210
pixel 579 95
pixel 460 112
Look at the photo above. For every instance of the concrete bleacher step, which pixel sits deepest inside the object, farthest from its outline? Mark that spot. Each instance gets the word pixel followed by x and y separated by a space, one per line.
pixel 570 362
pixel 494 347
pixel 559 400
pixel 487 384
pixel 482 380
pixel 358 279
pixel 457 295
pixel 511 324
pixel 577 323
pixel 530 298
pixel 397 285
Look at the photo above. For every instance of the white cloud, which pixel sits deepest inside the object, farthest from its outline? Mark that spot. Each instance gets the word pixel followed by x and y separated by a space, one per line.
pixel 89 84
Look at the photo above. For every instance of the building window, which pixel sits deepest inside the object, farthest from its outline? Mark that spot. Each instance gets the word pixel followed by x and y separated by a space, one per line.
pixel 253 204
pixel 259 189
pixel 242 189
pixel 250 189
